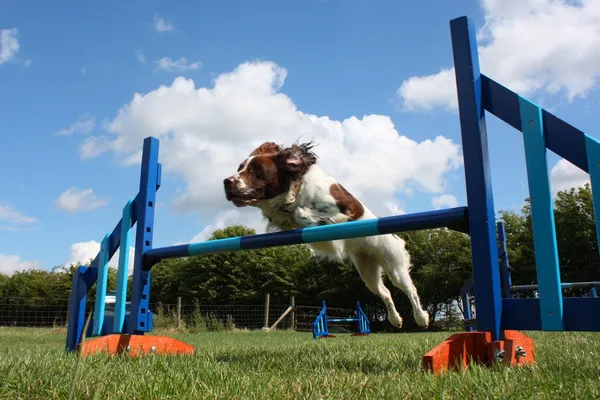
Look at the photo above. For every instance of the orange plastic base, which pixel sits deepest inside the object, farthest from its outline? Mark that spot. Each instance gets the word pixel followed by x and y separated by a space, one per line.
pixel 134 345
pixel 457 351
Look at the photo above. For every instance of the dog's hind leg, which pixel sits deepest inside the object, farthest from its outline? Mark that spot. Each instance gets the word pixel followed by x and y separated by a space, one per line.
pixel 396 263
pixel 370 273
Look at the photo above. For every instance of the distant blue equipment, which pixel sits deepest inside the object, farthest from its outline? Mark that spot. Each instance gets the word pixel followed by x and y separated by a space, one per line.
pixel 321 324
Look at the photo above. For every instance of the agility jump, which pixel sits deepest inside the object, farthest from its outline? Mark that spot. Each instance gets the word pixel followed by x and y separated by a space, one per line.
pixel 498 317
pixel 320 328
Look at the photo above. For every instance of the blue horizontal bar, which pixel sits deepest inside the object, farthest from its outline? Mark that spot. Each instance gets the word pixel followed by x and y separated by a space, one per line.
pixel 564 285
pixel 342 319
pixel 456 218
pixel 579 313
pixel 214 246
pixel 562 138
pixel 331 232
pixel 468 285
pixel 453 218
pixel 274 239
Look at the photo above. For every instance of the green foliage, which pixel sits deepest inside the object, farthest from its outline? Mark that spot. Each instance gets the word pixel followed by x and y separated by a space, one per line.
pixel 241 277
pixel 441 261
pixel 575 235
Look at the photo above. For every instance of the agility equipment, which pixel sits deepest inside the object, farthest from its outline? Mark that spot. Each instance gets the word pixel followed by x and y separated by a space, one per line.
pixel 508 289
pixel 321 324
pixel 498 317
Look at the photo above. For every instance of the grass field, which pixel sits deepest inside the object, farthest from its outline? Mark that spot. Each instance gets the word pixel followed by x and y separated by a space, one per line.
pixel 288 365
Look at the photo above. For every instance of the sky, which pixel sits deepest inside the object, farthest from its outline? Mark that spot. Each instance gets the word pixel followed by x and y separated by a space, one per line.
pixel 83 83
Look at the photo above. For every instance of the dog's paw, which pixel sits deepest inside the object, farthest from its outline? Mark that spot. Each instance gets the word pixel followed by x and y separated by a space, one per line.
pixel 422 319
pixel 395 320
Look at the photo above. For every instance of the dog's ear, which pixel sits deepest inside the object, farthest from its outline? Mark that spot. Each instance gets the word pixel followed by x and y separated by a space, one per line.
pixel 297 158
pixel 266 148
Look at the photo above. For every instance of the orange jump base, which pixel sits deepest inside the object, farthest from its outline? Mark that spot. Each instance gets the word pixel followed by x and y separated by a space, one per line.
pixel 459 349
pixel 134 345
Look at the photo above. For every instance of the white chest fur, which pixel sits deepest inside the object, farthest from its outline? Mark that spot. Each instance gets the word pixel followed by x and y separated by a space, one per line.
pixel 309 205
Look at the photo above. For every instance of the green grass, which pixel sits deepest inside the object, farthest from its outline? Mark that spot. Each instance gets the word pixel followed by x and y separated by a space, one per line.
pixel 288 365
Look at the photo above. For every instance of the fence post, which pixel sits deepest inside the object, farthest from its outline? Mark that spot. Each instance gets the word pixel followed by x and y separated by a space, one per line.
pixel 293 305
pixel 267 311
pixel 178 312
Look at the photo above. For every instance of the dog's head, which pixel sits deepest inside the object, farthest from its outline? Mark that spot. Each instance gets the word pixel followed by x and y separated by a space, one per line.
pixel 268 172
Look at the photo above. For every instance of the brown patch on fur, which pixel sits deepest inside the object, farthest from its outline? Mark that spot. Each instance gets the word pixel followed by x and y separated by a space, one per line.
pixel 297 159
pixel 266 148
pixel 347 203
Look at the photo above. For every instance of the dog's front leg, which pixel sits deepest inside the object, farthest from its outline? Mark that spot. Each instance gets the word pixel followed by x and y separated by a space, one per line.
pixel 319 213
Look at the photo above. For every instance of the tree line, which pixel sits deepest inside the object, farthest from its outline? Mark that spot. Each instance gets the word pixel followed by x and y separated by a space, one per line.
pixel 441 264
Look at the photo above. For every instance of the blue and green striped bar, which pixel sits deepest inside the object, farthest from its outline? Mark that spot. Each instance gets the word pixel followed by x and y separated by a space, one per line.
pixel 592 149
pixel 453 218
pixel 101 284
pixel 542 217
pixel 123 271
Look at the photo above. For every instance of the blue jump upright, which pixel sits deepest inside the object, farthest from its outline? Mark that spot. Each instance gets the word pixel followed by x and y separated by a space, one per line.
pixel 498 316
pixel 320 328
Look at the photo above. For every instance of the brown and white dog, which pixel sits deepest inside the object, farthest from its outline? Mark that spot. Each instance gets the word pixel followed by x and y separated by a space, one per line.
pixel 292 191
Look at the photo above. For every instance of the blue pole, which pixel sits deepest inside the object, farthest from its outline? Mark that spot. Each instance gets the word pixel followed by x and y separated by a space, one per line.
pixel 140 317
pixel 542 217
pixel 484 250
pixel 453 217
pixel 101 284
pixel 504 264
pixel 122 273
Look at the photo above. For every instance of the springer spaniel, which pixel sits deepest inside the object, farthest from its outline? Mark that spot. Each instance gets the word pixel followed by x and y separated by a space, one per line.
pixel 292 192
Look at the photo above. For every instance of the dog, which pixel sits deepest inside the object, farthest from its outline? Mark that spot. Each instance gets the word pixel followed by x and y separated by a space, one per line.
pixel 292 192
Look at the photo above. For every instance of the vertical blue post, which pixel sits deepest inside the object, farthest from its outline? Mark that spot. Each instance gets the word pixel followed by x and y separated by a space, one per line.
pixel 123 272
pixel 101 284
pixel 542 217
pixel 77 303
pixel 467 310
pixel 484 250
pixel 592 149
pixel 146 202
pixel 504 265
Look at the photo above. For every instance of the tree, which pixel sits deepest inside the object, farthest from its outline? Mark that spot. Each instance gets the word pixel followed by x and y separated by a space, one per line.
pixel 441 261
pixel 241 277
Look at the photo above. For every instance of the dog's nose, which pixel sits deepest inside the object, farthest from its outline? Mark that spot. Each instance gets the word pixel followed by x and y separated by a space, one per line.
pixel 228 181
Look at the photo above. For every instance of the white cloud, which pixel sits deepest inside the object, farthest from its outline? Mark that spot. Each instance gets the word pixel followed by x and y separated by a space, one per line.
pixel 246 217
pixel 11 263
pixel 11 215
pixel 76 200
pixel 93 146
pixel 141 57
pixel 178 66
pixel 428 92
pixel 84 252
pixel 394 209
pixel 444 201
pixel 9 44
pixel 564 176
pixel 529 46
pixel 161 25
pixel 206 132
pixel 84 124
pixel 14 220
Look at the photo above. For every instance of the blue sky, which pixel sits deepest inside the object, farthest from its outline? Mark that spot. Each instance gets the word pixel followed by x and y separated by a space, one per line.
pixel 83 62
